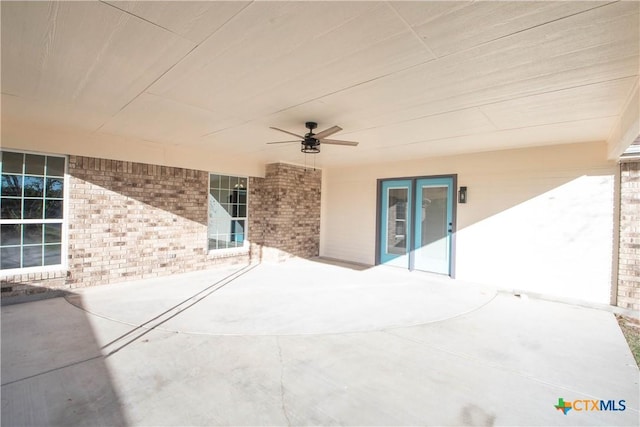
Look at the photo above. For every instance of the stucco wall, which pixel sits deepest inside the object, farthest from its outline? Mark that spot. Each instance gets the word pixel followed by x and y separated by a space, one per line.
pixel 539 219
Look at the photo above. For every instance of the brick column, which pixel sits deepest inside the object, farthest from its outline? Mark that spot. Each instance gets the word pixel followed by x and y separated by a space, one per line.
pixel 286 212
pixel 629 255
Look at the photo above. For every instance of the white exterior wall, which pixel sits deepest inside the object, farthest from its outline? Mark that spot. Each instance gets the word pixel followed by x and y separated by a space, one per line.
pixel 538 219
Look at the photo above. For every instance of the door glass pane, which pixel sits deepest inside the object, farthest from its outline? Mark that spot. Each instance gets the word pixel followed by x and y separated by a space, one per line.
pixel 397 221
pixel 434 227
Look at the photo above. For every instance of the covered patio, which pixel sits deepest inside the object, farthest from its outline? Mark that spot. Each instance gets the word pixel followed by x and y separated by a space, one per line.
pixel 310 343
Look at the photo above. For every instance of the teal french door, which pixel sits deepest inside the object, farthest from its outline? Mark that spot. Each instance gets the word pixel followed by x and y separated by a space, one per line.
pixel 396 204
pixel 416 218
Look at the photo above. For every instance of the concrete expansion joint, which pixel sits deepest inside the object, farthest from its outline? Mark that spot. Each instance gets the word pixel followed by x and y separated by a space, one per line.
pixel 282 388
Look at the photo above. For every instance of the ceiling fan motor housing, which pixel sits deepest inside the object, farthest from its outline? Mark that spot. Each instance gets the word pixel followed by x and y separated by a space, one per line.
pixel 310 145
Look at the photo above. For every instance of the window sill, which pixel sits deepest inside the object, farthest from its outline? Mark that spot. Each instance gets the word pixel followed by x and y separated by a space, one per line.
pixel 35 273
pixel 228 252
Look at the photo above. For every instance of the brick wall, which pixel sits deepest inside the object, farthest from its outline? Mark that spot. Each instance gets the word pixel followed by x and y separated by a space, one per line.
pixel 287 220
pixel 131 221
pixel 629 255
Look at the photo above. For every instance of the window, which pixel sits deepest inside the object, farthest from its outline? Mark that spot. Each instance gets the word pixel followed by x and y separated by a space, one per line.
pixel 227 211
pixel 31 210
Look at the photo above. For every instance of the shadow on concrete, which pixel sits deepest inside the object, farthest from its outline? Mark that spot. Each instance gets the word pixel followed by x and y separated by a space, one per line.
pixel 340 263
pixel 53 371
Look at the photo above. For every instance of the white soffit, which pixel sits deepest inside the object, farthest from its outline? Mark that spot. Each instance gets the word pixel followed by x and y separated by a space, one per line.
pixel 406 79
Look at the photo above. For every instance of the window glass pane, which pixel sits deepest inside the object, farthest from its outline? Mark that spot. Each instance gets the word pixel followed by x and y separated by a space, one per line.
pixel 216 195
pixel 55 166
pixel 10 258
pixel 34 164
pixel 225 196
pixel 32 209
pixel 32 234
pixel 55 187
pixel 242 197
pixel 243 182
pixel 11 208
pixel 52 254
pixel 32 256
pixel 52 233
pixel 237 226
pixel 53 209
pixel 224 182
pixel 242 211
pixel 10 234
pixel 396 221
pixel 12 185
pixel 223 241
pixel 214 181
pixel 12 162
pixel 33 186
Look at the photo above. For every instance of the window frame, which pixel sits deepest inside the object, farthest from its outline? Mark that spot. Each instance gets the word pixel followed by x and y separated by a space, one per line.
pixel 245 242
pixel 64 222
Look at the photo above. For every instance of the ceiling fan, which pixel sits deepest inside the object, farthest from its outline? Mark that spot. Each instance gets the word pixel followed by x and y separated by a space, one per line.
pixel 310 142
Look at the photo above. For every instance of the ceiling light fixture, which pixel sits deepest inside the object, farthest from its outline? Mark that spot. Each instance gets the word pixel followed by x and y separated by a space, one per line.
pixel 310 147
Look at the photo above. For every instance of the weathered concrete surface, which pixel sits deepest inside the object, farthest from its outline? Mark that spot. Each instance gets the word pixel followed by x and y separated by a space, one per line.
pixel 499 361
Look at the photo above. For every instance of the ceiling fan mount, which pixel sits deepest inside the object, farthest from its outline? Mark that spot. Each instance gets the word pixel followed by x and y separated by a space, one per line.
pixel 310 142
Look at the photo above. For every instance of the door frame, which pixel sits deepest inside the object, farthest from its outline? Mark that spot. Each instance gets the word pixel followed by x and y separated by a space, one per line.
pixel 413 194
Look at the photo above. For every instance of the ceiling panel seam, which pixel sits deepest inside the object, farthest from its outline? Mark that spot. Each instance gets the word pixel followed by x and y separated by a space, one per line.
pixel 486 116
pixel 496 132
pixel 435 60
pixel 416 35
pixel 480 106
pixel 527 29
pixel 142 19
pixel 175 63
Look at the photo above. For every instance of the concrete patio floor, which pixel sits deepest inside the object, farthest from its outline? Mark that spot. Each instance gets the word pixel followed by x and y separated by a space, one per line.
pixel 307 343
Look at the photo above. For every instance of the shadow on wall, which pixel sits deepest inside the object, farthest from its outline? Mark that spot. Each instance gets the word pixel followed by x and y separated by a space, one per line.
pixel 124 190
pixel 53 369
pixel 538 219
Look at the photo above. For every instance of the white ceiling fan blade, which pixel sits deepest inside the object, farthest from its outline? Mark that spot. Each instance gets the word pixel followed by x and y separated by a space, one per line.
pixel 338 142
pixel 286 131
pixel 283 142
pixel 327 132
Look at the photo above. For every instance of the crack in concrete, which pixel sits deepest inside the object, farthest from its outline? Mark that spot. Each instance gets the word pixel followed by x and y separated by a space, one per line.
pixel 282 404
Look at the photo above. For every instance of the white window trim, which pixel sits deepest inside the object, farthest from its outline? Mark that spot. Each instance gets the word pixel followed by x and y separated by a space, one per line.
pixel 64 253
pixel 246 244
